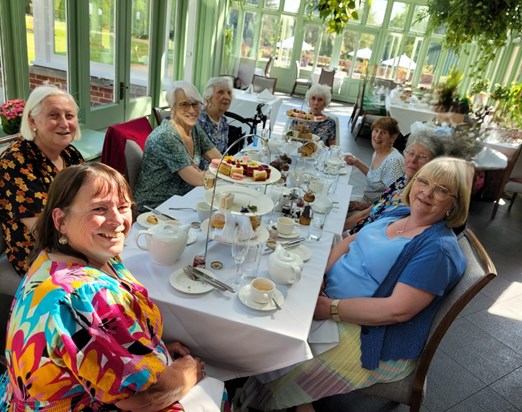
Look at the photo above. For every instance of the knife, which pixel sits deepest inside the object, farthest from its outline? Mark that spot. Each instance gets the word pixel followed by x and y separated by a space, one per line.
pixel 195 276
pixel 160 213
pixel 204 276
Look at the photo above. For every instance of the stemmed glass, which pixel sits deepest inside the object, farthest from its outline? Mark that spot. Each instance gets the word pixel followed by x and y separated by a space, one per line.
pixel 276 194
pixel 240 245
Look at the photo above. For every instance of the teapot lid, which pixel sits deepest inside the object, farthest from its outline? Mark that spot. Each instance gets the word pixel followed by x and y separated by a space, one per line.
pixel 285 255
pixel 169 228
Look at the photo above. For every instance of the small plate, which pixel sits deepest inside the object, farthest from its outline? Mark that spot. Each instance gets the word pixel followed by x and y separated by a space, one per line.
pixel 295 233
pixel 244 294
pixel 260 237
pixel 192 236
pixel 302 251
pixel 243 196
pixel 180 281
pixel 142 219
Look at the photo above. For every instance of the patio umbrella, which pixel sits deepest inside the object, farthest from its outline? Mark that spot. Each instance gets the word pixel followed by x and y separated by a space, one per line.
pixel 289 44
pixel 365 53
pixel 401 61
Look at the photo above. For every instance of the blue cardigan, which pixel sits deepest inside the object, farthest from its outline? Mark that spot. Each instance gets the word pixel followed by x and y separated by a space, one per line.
pixel 406 340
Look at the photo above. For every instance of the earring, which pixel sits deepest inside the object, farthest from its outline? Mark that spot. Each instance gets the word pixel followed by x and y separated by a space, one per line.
pixel 62 240
pixel 448 213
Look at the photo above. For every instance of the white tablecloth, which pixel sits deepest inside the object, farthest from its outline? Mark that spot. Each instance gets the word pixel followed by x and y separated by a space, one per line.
pixel 245 104
pixel 233 339
pixel 406 114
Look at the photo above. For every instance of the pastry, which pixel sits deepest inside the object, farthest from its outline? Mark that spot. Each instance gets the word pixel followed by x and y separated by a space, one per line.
pixel 215 162
pixel 259 175
pixel 225 168
pixel 254 220
pixel 307 149
pixel 217 221
pixel 237 176
pixel 152 219
pixel 226 200
pixel 236 170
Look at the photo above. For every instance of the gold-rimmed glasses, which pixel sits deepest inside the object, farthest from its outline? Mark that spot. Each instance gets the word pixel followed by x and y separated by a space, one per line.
pixel 185 106
pixel 419 157
pixel 439 192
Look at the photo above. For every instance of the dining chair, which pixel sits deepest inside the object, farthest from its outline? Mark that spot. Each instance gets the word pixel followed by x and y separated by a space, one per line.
pixel 480 270
pixel 268 66
pixel 327 77
pixel 161 113
pixel 511 177
pixel 133 160
pixel 245 73
pixel 260 83
pixel 299 81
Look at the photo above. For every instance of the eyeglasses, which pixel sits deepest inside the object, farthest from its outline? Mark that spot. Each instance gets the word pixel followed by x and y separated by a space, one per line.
pixel 185 106
pixel 439 192
pixel 412 155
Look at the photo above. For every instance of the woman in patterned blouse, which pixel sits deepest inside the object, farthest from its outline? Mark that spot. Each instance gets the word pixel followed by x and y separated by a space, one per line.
pixel 83 333
pixel 318 97
pixel 174 150
pixel 29 165
pixel 217 97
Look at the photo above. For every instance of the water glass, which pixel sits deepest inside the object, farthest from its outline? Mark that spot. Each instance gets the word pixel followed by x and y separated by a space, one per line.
pixel 315 230
pixel 252 261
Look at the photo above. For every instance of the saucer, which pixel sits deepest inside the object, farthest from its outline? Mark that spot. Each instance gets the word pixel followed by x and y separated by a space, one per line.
pixel 180 281
pixel 192 236
pixel 302 251
pixel 295 233
pixel 244 294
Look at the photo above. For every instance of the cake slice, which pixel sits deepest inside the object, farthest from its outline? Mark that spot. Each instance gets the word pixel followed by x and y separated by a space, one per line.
pixel 259 175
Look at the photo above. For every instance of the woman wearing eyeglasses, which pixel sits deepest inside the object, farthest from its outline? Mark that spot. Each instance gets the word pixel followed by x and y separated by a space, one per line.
pixel 383 287
pixel 174 150
pixel 422 146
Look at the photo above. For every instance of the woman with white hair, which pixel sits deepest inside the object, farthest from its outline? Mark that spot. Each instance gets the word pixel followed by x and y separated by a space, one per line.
pixel 174 150
pixel 29 165
pixel 217 98
pixel 318 97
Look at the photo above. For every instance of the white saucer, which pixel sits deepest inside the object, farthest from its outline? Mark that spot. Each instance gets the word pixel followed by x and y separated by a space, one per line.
pixel 302 251
pixel 192 236
pixel 295 233
pixel 244 294
pixel 180 281
pixel 142 220
pixel 260 237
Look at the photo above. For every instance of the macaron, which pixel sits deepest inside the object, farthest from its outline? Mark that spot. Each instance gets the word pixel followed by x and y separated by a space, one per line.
pixel 215 162
pixel 237 176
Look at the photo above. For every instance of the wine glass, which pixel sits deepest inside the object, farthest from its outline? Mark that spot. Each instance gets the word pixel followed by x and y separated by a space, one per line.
pixel 209 179
pixel 276 194
pixel 240 245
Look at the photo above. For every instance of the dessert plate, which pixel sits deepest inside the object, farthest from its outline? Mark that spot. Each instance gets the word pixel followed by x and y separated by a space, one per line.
pixel 142 219
pixel 244 297
pixel 260 237
pixel 243 197
pixel 302 251
pixel 180 281
pixel 275 176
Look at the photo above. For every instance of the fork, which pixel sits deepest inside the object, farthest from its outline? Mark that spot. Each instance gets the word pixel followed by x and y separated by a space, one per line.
pixel 183 208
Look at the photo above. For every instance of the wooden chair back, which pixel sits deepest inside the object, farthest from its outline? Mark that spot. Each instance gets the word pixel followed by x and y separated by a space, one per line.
pixel 161 113
pixel 479 272
pixel 268 66
pixel 327 77
pixel 260 83
pixel 512 154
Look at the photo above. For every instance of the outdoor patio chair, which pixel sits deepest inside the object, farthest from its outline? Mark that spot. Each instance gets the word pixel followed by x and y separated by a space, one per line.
pixel 327 77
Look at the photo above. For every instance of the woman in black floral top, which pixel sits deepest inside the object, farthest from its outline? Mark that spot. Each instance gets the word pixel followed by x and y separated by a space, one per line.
pixel 318 97
pixel 29 165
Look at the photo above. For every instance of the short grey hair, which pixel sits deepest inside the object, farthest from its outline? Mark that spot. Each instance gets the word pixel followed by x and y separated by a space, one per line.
pixel 216 81
pixel 438 144
pixel 35 104
pixel 320 90
pixel 188 88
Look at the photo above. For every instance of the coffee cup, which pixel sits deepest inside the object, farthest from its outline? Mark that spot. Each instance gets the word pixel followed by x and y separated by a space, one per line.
pixel 285 225
pixel 262 290
pixel 203 209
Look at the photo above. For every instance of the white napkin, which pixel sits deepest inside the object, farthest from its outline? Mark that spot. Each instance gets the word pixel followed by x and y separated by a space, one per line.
pixel 206 396
pixel 323 335
pixel 231 221
pixel 265 95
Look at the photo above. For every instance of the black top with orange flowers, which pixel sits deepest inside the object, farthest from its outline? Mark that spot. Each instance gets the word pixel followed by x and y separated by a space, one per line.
pixel 26 174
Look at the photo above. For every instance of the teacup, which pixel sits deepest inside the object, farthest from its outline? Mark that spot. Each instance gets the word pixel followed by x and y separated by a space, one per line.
pixel 203 209
pixel 285 225
pixel 316 186
pixel 262 290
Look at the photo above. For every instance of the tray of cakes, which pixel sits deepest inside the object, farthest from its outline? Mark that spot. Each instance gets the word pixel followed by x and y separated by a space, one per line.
pixel 240 200
pixel 301 133
pixel 244 171
pixel 303 116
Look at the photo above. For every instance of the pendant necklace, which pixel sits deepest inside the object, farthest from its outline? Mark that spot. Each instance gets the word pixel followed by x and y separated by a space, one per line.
pixel 400 232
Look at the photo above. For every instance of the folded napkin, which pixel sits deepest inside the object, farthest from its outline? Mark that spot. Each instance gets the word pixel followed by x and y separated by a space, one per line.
pixel 265 95
pixel 206 396
pixel 231 221
pixel 323 336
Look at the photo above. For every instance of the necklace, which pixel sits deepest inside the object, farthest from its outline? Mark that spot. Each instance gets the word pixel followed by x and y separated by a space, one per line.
pixel 400 232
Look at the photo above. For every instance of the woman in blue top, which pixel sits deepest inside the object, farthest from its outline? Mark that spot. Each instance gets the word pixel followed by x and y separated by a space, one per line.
pixel 384 297
pixel 174 150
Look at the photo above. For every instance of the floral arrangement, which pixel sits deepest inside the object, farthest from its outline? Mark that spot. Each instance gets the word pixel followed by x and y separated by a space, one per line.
pixel 11 115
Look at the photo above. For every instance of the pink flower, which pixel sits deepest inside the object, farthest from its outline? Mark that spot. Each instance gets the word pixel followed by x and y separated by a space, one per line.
pixel 12 109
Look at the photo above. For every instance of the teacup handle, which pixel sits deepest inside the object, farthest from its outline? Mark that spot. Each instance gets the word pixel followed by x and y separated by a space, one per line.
pixel 143 232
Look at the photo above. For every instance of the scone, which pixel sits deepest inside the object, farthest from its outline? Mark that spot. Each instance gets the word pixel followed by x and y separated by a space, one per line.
pixel 152 219
pixel 217 221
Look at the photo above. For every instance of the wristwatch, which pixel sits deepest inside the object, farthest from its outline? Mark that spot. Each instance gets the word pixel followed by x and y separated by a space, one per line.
pixel 334 311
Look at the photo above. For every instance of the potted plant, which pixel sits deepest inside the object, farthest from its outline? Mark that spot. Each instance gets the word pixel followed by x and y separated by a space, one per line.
pixel 11 115
pixel 335 14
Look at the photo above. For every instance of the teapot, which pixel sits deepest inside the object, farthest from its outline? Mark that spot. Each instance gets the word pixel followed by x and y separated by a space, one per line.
pixel 284 266
pixel 165 242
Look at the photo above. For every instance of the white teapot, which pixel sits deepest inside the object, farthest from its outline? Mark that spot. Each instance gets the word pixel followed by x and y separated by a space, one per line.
pixel 165 242
pixel 285 267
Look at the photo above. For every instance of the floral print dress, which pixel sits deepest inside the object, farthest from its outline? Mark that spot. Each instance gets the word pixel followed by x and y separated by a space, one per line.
pixel 80 340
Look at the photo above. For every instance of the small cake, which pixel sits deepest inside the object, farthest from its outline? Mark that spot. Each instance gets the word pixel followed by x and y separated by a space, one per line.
pixel 251 167
pixel 236 169
pixel 237 176
pixel 199 261
pixel 225 168
pixel 217 221
pixel 226 200
pixel 215 162
pixel 259 175
pixel 305 136
pixel 307 150
pixel 268 170
pixel 152 219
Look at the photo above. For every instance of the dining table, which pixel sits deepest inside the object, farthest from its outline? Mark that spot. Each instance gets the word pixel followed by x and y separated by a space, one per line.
pixel 233 339
pixel 406 114
pixel 245 104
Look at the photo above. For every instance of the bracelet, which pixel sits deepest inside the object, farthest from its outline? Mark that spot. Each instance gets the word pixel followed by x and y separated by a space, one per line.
pixel 334 310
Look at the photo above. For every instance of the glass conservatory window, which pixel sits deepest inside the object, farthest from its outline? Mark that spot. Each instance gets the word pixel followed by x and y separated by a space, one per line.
pixel 376 13
pixel 267 37
pixel 398 15
pixel 286 43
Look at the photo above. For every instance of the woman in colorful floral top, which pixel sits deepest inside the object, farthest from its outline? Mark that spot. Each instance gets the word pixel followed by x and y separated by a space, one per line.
pixel 83 333
pixel 217 97
pixel 174 150
pixel 423 145
pixel 29 165
pixel 318 97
